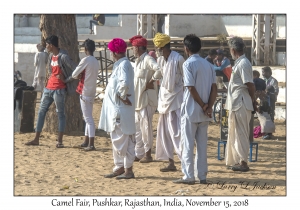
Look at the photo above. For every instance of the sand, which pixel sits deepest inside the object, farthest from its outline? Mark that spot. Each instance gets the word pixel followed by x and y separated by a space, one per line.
pixel 46 170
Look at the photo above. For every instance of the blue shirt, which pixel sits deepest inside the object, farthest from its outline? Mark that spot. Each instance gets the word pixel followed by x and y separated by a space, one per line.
pixel 199 73
pixel 224 64
pixel 259 83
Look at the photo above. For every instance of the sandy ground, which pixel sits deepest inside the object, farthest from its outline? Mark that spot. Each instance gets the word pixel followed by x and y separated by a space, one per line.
pixel 46 170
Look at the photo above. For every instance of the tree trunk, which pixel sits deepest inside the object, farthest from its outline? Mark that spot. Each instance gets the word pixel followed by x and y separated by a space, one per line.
pixel 63 26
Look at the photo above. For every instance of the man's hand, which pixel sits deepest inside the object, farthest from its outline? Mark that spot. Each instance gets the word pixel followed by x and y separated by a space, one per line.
pixel 61 77
pixel 208 112
pixel 150 85
pixel 215 61
pixel 204 107
pixel 126 101
pixel 255 106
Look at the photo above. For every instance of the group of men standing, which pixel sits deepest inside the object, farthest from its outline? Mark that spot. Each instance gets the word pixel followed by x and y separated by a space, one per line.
pixel 187 93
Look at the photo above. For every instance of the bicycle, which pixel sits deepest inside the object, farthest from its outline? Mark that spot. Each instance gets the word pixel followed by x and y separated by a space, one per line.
pixel 218 107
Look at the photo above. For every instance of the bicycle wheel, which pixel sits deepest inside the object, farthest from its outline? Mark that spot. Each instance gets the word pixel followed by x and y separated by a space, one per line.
pixel 217 110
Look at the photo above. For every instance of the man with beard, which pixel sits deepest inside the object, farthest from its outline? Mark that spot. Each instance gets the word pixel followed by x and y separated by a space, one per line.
pixel 146 71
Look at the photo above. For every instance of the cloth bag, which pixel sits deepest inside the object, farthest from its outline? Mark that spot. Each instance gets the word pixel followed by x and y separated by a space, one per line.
pixel 267 126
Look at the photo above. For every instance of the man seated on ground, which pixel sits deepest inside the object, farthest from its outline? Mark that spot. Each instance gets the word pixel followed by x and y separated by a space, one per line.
pixel 212 54
pixel 223 67
pixel 97 20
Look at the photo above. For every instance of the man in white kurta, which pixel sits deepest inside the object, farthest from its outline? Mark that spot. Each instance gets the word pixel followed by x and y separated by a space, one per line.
pixel 169 102
pixel 40 62
pixel 240 100
pixel 146 71
pixel 117 114
pixel 199 96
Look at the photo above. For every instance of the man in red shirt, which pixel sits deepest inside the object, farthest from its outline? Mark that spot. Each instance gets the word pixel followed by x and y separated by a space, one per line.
pixel 55 90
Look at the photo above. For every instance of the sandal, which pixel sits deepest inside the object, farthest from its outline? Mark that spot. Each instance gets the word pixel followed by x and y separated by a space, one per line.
pixel 83 145
pixel 136 159
pixel 146 160
pixel 230 167
pixel 126 176
pixel 60 145
pixel 168 169
pixel 90 148
pixel 113 174
pixel 240 168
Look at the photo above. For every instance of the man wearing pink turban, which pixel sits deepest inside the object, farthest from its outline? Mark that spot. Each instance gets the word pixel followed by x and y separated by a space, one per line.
pixel 117 114
pixel 146 71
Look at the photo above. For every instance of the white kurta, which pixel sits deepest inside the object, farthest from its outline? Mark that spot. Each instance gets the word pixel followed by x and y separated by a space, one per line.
pixel 145 69
pixel 171 88
pixel 40 61
pixel 145 102
pixel 118 118
pixel 169 102
pixel 121 83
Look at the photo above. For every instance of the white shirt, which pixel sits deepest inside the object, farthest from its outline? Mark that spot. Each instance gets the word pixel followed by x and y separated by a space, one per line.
pixel 121 84
pixel 171 88
pixel 40 61
pixel 91 67
pixel 145 68
pixel 200 74
pixel 237 90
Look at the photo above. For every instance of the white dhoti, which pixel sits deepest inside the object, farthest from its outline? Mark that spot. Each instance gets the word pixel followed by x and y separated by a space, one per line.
pixel 191 132
pixel 144 130
pixel 238 144
pixel 168 136
pixel 123 148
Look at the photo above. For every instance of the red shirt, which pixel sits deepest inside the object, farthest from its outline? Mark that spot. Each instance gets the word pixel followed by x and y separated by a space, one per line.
pixel 53 82
pixel 81 83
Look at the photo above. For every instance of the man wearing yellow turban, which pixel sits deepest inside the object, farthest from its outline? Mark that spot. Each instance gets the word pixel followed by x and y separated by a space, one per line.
pixel 169 101
pixel 160 40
